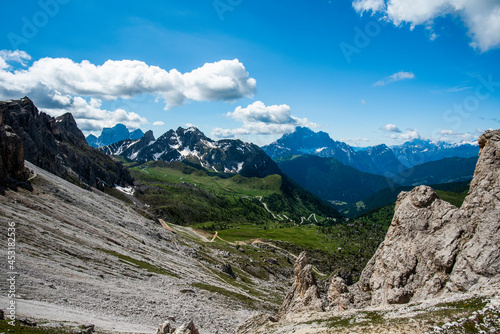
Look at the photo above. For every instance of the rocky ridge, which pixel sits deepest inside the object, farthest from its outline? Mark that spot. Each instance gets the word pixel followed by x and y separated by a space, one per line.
pixel 434 252
pixel 222 156
pixel 380 159
pixel 58 146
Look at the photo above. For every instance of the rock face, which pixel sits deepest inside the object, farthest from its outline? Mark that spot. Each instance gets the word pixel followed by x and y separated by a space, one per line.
pixel 58 146
pixel 433 247
pixel 478 263
pixel 304 294
pixel 12 170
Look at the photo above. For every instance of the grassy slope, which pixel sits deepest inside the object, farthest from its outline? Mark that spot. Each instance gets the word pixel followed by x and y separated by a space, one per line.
pixel 232 205
pixel 185 194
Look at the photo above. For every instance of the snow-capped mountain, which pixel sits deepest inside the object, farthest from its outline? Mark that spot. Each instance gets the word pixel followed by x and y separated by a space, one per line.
pixel 113 135
pixel 419 151
pixel 380 159
pixel 377 160
pixel 227 156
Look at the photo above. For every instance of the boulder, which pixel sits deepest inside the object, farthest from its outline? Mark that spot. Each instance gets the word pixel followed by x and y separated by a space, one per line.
pixel 185 328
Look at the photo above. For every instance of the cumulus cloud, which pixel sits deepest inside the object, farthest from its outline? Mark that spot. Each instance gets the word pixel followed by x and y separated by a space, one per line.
pixel 452 136
pixel 225 80
pixel 16 56
pixel 158 123
pixel 257 118
pixel 481 17
pixel 391 128
pixel 410 134
pixel 401 75
pixel 91 117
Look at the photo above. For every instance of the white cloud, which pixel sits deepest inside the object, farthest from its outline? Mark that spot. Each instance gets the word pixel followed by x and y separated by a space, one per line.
pixel 362 6
pixel 452 136
pixel 16 56
pixel 257 118
pixel 481 17
pixel 409 135
pixel 355 141
pixel 363 101
pixel 447 132
pixel 90 117
pixel 225 80
pixel 390 128
pixel 401 75
pixel 158 123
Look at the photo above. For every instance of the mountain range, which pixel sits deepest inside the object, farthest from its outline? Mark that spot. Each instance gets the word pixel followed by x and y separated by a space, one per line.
pixel 354 192
pixel 223 156
pixel 112 135
pixel 380 159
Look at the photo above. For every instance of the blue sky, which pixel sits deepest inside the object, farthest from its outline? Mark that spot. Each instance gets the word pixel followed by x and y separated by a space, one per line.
pixel 367 72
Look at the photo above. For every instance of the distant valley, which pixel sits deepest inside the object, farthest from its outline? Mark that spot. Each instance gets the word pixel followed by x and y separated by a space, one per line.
pixel 344 176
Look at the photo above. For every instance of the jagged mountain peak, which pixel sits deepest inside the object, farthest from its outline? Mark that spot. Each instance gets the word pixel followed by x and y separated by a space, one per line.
pixel 380 159
pixel 113 135
pixel 306 141
pixel 226 156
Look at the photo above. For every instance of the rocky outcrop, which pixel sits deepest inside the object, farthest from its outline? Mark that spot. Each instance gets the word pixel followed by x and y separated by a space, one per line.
pixel 185 328
pixel 433 247
pixel 339 297
pixel 12 170
pixel 478 263
pixel 304 294
pixel 58 146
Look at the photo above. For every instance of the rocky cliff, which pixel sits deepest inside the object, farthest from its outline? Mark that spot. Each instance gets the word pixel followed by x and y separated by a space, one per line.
pixel 433 247
pixel 12 171
pixel 58 146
